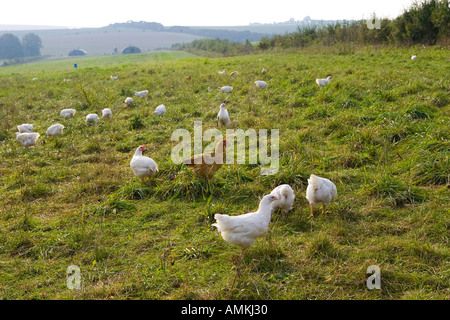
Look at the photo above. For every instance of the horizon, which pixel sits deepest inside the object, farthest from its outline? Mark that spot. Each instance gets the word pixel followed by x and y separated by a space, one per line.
pixel 84 14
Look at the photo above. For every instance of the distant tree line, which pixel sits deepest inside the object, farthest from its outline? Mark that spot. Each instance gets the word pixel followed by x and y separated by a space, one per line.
pixel 11 47
pixel 426 22
pixel 216 47
pixel 143 25
pixel 231 35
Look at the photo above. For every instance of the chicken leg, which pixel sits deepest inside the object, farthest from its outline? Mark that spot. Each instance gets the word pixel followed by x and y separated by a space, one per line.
pixel 324 210
pixel 312 211
pixel 238 268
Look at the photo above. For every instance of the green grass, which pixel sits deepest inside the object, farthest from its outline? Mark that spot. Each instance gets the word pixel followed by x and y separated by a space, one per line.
pixel 120 61
pixel 379 131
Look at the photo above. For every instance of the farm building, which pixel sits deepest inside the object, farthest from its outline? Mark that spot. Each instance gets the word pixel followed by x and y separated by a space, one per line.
pixel 77 52
pixel 131 49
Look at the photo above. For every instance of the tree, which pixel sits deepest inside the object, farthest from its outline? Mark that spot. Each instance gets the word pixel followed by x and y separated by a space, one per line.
pixel 32 45
pixel 10 47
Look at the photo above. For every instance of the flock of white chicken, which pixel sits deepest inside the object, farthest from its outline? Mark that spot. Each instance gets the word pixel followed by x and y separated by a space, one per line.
pixel 240 230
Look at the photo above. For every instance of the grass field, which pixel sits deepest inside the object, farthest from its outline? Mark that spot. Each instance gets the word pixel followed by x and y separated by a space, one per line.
pixel 379 131
pixel 65 66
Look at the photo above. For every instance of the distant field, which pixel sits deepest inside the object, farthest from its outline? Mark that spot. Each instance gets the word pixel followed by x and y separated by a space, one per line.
pixel 101 41
pixel 66 64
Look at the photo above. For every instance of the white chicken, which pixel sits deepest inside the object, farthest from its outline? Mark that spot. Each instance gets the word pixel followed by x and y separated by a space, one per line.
pixel 92 118
pixel 261 84
pixel 160 110
pixel 141 94
pixel 55 129
pixel 413 57
pixel 243 230
pixel 129 101
pixel 226 89
pixel 67 113
pixel 114 77
pixel 320 190
pixel 222 117
pixel 106 113
pixel 27 139
pixel 25 127
pixel 285 196
pixel 324 82
pixel 222 72
pixel 143 166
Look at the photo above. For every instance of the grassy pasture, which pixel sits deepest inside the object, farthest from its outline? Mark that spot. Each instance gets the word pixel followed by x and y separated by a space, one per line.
pixel 379 131
pixel 66 65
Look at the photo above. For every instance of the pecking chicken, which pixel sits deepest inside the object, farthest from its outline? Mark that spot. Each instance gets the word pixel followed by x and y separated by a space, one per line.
pixel 324 82
pixel 67 113
pixel 55 129
pixel 27 139
pixel 160 110
pixel 320 190
pixel 25 127
pixel 285 196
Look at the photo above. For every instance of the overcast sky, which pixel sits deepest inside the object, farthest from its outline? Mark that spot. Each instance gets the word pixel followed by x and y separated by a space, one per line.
pixel 99 13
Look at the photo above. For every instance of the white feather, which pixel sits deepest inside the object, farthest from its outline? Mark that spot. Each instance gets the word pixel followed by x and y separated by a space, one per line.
pixel 142 166
pixel 141 94
pixel 320 190
pixel 25 127
pixel 55 130
pixel 243 230
pixel 106 113
pixel 67 113
pixel 285 196
pixel 323 82
pixel 261 84
pixel 27 139
pixel 222 117
pixel 160 110
pixel 129 101
pixel 226 89
pixel 92 117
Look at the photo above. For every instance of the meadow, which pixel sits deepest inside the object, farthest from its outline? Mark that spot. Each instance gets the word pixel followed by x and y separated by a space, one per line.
pixel 379 131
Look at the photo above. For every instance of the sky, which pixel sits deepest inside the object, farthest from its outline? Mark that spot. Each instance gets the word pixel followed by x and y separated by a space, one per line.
pixel 100 13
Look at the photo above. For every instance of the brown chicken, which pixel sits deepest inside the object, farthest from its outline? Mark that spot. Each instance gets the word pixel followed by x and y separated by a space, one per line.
pixel 210 161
